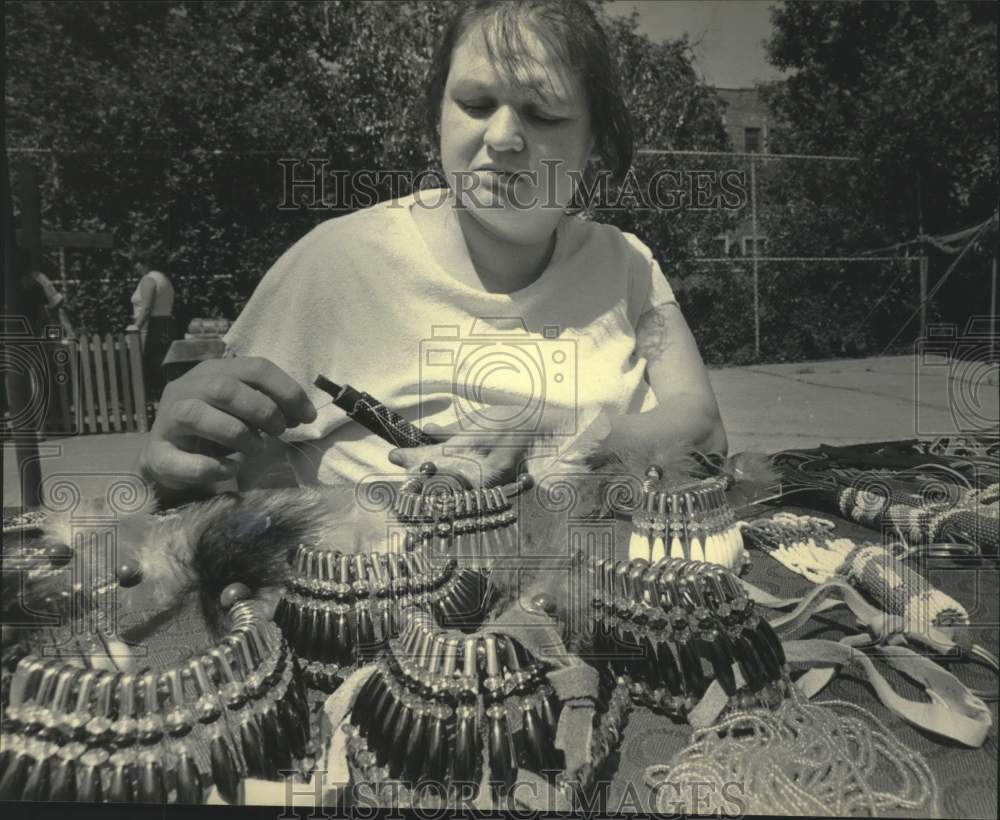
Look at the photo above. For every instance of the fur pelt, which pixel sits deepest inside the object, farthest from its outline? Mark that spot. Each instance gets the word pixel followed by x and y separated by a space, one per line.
pixel 196 550
pixel 199 549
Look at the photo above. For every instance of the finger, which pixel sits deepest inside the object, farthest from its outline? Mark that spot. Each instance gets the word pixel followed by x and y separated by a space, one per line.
pixel 469 473
pixel 232 396
pixel 442 430
pixel 177 469
pixel 467 470
pixel 193 417
pixel 413 457
pixel 275 383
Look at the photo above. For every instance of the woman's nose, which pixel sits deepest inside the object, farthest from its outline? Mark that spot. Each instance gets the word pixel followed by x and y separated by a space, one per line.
pixel 503 133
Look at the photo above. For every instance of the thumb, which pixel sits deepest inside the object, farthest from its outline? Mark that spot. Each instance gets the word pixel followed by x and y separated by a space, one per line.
pixel 442 431
pixel 412 457
pixel 399 457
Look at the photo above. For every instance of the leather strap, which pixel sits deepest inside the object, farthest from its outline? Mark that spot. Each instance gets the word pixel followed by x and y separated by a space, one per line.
pixel 953 711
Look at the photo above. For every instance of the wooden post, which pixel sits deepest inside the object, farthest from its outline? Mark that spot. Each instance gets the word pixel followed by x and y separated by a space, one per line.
pixel 18 385
pixel 756 276
pixel 123 364
pixel 54 170
pixel 923 296
pixel 77 393
pixel 116 407
pixel 994 342
pixel 31 211
pixel 99 386
pixel 89 406
pixel 138 385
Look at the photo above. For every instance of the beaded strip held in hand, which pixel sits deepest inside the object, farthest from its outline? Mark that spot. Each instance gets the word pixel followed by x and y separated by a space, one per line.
pixel 90 735
pixel 689 520
pixel 668 628
pixel 437 697
pixel 339 609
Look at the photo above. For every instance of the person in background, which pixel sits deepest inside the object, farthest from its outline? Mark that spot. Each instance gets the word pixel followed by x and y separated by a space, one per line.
pixel 55 303
pixel 153 306
pixel 33 303
pixel 34 298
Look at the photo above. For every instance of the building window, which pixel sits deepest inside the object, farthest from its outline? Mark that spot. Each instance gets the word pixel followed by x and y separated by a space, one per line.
pixel 751 140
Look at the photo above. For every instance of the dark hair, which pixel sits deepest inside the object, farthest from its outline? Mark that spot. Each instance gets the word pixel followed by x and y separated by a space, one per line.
pixel 572 32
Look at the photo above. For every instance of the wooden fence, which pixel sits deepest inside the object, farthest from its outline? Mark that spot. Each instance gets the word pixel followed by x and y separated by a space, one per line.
pixel 103 392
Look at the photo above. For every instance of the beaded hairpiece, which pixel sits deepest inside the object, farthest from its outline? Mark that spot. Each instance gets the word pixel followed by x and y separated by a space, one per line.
pixel 468 524
pixel 340 609
pixel 669 628
pixel 437 698
pixel 84 720
pixel 690 519
pixel 73 733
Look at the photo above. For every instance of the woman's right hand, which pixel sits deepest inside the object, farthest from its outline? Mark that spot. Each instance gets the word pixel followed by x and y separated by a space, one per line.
pixel 216 409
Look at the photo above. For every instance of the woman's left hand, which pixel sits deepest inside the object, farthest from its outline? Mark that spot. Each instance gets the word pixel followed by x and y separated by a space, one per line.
pixel 481 459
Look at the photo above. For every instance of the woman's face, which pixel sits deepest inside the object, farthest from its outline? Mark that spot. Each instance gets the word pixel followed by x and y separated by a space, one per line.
pixel 509 149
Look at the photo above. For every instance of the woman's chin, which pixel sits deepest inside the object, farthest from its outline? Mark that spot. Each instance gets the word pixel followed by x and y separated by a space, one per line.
pixel 512 223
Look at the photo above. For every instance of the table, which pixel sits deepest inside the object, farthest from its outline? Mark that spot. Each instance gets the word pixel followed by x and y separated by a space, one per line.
pixel 186 353
pixel 967 778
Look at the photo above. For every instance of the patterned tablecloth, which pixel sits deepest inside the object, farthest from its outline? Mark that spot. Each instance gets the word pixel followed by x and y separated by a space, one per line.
pixel 967 778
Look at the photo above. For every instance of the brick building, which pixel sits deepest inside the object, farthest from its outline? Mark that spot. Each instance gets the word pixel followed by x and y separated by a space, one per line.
pixel 746 120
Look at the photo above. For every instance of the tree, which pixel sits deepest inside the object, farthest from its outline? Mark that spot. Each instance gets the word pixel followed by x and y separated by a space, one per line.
pixel 168 122
pixel 910 89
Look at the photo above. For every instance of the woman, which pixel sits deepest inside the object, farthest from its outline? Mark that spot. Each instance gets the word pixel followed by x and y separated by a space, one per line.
pixel 523 100
pixel 153 307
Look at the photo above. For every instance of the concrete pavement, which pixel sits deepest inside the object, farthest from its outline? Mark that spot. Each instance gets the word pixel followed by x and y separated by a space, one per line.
pixel 764 407
pixel 776 407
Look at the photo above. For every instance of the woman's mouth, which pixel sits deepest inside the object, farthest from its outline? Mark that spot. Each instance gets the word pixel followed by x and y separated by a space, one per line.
pixel 498 181
pixel 506 187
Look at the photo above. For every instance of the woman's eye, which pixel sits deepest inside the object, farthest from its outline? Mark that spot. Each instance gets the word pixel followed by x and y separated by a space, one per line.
pixel 476 107
pixel 544 119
